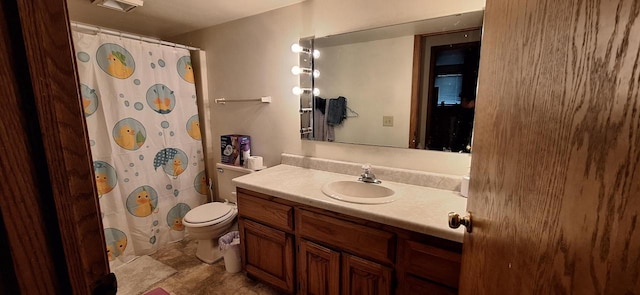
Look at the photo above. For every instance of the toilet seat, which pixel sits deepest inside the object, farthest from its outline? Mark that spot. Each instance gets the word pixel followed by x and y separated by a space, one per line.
pixel 210 214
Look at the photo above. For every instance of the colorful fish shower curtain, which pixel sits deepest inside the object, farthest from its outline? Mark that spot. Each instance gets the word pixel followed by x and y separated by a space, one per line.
pixel 140 107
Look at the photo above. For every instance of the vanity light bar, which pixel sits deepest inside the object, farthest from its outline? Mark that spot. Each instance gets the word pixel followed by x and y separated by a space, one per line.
pixel 295 47
pixel 296 70
pixel 306 110
pixel 297 91
pixel 306 130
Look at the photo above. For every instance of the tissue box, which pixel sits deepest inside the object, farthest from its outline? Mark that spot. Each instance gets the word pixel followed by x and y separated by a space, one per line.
pixel 235 149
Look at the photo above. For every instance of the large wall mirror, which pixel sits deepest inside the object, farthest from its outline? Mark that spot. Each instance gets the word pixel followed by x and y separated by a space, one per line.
pixel 411 85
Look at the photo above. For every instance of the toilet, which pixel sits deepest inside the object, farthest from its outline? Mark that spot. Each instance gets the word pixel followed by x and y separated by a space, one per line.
pixel 206 223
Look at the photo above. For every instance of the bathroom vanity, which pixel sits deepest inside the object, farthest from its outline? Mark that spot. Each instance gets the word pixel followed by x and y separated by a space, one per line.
pixel 301 241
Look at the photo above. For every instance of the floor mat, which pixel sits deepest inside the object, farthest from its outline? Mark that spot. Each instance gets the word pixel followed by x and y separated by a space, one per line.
pixel 138 275
pixel 157 291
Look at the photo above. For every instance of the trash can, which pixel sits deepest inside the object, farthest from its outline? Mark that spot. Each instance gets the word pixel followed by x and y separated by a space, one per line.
pixel 230 248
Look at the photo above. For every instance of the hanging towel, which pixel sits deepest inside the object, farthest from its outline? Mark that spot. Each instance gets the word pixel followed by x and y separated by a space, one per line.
pixel 329 132
pixel 337 111
pixel 322 131
pixel 319 123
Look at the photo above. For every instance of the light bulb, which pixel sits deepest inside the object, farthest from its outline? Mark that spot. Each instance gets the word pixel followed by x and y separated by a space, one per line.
pixel 295 47
pixel 296 70
pixel 316 53
pixel 297 91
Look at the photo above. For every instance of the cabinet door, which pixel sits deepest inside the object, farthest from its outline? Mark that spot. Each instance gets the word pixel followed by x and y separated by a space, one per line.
pixel 318 269
pixel 419 262
pixel 360 276
pixel 267 254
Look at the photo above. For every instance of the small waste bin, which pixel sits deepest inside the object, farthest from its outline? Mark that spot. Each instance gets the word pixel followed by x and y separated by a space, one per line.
pixel 230 248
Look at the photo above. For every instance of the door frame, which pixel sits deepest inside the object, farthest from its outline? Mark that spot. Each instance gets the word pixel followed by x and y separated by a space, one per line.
pixel 40 31
pixel 431 99
pixel 417 89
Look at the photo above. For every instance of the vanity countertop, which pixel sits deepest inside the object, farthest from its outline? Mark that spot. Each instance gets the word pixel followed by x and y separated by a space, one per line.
pixel 420 209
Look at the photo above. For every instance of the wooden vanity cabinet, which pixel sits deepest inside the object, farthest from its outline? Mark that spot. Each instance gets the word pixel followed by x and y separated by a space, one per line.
pixel 323 271
pixel 361 276
pixel 339 254
pixel 361 257
pixel 428 263
pixel 318 269
pixel 267 240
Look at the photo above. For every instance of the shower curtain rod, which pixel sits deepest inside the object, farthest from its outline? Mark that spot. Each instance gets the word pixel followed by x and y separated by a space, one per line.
pixel 96 29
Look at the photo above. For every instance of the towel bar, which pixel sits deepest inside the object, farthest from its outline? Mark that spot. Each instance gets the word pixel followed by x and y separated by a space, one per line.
pixel 264 99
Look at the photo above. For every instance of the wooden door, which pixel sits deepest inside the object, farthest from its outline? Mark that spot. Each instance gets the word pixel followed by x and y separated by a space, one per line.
pixel 555 177
pixel 318 269
pixel 49 207
pixel 267 254
pixel 360 276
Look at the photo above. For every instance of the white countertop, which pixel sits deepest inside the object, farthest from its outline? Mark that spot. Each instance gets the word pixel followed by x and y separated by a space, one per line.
pixel 420 209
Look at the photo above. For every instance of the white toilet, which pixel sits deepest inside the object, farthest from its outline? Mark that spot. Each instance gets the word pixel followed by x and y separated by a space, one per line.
pixel 210 221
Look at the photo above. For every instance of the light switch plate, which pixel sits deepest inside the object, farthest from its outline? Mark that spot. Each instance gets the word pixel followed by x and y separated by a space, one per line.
pixel 387 121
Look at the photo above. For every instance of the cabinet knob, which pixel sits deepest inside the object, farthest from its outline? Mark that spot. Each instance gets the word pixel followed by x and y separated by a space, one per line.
pixel 455 221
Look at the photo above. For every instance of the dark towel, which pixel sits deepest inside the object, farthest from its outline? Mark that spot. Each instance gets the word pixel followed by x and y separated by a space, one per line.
pixel 337 111
pixel 320 104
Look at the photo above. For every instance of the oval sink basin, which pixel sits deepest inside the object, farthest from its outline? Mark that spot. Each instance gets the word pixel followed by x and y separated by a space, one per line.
pixel 359 192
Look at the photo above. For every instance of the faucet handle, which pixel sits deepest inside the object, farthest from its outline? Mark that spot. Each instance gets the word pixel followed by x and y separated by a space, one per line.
pixel 367 176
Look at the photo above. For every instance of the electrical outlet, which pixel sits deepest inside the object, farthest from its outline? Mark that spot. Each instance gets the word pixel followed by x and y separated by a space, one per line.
pixel 387 121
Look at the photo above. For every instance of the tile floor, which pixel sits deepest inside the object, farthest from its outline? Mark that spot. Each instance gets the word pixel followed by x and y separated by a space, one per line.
pixel 194 277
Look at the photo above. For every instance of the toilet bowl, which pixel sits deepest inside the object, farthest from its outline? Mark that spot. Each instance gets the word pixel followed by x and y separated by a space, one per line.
pixel 206 223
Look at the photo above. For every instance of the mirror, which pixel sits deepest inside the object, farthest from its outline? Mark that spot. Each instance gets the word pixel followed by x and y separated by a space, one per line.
pixel 411 85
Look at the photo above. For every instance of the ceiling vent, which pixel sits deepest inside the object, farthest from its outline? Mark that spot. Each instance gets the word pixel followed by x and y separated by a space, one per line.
pixel 119 5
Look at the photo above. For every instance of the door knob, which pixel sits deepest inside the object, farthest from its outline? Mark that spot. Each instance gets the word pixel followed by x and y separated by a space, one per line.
pixel 455 221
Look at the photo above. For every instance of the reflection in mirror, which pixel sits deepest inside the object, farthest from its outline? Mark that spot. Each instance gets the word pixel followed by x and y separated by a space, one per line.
pixel 410 85
pixel 450 66
pixel 306 82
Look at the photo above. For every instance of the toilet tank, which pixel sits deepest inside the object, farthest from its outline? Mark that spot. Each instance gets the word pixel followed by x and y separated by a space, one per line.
pixel 226 188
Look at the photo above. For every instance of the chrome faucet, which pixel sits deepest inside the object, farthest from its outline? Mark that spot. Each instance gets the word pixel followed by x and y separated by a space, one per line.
pixel 368 176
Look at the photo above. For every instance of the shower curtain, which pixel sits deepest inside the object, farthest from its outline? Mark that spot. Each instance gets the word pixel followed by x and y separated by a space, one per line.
pixel 141 111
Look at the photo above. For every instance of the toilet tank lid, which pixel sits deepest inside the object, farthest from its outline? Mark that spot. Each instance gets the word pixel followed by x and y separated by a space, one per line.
pixel 208 212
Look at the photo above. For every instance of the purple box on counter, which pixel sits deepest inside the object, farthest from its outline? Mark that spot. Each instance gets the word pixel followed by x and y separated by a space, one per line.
pixel 235 149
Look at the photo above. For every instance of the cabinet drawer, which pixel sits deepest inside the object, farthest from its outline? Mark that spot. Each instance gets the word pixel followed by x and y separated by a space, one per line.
pixel 266 212
pixel 432 263
pixel 355 238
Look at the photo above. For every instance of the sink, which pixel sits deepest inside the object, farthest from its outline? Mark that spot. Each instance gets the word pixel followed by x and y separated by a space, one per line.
pixel 359 192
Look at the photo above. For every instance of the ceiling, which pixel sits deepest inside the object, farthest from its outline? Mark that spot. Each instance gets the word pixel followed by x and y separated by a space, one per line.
pixel 167 18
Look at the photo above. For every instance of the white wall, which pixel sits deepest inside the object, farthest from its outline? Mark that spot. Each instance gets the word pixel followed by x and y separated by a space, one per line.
pixel 249 58
pixel 354 71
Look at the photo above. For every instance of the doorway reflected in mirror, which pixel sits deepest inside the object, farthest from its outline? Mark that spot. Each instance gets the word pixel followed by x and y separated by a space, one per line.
pixel 451 101
pixel 445 77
